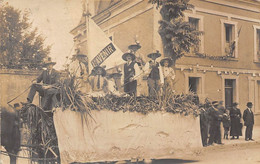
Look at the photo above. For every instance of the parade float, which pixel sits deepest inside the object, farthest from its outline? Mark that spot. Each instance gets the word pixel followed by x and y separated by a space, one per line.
pixel 85 127
pixel 115 127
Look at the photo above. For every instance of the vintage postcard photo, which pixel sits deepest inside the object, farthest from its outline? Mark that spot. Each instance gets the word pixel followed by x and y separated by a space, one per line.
pixel 130 81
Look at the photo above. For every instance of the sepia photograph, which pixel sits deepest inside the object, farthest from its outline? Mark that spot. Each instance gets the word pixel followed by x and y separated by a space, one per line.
pixel 130 81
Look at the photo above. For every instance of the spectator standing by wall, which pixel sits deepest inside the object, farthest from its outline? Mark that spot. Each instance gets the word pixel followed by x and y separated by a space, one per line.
pixel 248 117
pixel 204 122
pixel 235 116
pixel 214 131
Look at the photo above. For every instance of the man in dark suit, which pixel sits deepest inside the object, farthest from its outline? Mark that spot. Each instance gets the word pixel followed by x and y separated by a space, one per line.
pixel 50 82
pixel 204 121
pixel 248 118
pixel 214 131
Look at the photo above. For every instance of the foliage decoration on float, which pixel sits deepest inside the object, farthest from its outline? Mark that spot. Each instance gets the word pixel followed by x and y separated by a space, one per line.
pixel 72 98
pixel 41 126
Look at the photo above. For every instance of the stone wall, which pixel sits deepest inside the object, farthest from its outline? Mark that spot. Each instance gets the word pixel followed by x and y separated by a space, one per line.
pixel 13 83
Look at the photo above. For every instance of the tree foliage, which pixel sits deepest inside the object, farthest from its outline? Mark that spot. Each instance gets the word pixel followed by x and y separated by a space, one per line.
pixel 21 46
pixel 178 36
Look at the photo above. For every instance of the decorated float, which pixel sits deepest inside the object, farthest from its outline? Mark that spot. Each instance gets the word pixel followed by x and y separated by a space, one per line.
pixel 87 127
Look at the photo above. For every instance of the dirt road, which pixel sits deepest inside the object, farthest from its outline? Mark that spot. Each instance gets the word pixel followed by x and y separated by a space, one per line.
pixel 245 153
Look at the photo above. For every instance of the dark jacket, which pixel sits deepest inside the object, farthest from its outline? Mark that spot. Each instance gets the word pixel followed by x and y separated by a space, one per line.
pixel 129 72
pixel 52 78
pixel 248 117
pixel 235 116
pixel 215 115
pixel 226 120
pixel 154 74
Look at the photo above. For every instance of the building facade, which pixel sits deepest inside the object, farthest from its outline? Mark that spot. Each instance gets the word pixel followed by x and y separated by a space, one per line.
pixel 226 64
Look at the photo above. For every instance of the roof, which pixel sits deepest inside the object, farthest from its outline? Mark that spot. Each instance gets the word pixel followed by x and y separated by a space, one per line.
pixel 101 6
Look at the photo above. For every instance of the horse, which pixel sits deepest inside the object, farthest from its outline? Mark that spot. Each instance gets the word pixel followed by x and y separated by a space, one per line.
pixel 10 132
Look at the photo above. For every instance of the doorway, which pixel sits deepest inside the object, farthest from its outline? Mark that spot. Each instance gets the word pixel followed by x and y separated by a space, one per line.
pixel 230 85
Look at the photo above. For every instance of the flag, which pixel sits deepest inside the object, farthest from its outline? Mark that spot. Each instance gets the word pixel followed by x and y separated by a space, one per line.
pixel 101 50
pixel 233 44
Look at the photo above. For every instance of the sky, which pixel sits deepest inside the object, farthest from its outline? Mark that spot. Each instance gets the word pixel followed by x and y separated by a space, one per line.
pixel 54 20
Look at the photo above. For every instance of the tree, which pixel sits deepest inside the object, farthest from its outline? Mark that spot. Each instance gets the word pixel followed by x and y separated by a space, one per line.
pixel 20 44
pixel 178 37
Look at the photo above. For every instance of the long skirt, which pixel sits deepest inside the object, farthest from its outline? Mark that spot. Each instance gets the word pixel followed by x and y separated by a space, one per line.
pixel 235 127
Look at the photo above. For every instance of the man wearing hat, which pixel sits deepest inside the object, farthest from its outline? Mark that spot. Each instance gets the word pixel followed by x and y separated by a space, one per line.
pixel 214 131
pixel 155 75
pixel 168 72
pixel 97 80
pixel 248 117
pixel 130 74
pixel 50 82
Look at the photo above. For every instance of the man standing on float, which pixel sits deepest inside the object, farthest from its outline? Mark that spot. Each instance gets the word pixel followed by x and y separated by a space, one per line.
pixel 155 76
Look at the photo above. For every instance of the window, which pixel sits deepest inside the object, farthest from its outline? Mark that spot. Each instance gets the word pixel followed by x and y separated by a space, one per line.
pixel 258 40
pixel 229 38
pixel 196 22
pixel 230 41
pixel 194 84
pixel 228 30
pixel 256 43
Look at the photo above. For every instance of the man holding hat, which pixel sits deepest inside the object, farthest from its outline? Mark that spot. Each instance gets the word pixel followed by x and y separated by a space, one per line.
pixel 248 118
pixel 155 75
pixel 130 74
pixel 50 82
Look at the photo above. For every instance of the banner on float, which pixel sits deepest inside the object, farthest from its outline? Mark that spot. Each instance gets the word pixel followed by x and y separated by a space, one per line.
pixel 101 50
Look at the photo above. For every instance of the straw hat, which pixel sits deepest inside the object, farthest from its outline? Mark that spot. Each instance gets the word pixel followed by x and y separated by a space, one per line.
pixel 128 54
pixel 166 59
pixel 156 54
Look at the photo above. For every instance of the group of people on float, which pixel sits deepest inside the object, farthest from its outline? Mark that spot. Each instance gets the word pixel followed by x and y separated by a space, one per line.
pixel 159 74
pixel 211 116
